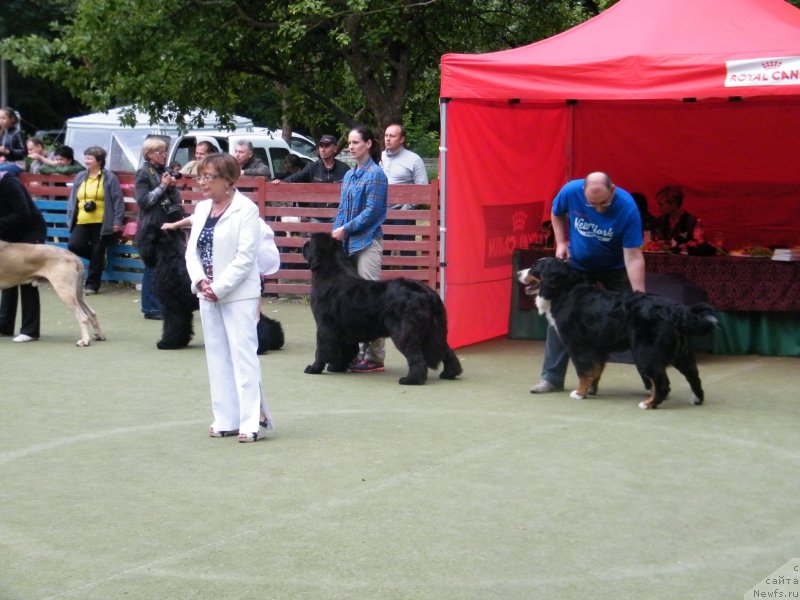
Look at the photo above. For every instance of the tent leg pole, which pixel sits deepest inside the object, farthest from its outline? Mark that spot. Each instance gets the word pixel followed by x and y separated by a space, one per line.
pixel 443 199
pixel 570 162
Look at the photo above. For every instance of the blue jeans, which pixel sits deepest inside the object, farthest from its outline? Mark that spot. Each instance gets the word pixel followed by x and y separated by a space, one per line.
pixel 150 304
pixel 556 357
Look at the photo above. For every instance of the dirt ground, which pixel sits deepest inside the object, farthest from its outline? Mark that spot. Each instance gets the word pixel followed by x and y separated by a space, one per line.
pixel 367 489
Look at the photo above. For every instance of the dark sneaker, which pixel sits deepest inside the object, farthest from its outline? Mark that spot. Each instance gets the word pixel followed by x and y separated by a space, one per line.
pixel 367 366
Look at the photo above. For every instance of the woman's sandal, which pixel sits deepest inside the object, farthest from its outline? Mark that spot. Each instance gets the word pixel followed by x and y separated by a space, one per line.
pixel 263 427
pixel 214 433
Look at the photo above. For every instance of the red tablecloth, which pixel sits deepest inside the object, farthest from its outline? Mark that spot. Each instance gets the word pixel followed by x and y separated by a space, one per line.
pixel 733 283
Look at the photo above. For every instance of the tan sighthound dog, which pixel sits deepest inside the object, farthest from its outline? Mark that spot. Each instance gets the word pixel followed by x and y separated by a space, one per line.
pixel 32 263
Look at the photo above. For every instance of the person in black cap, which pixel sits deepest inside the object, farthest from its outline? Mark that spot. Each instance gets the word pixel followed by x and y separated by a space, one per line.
pixel 325 170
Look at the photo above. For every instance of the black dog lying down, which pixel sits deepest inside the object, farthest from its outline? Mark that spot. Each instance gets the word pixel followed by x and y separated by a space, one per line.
pixel 349 310
pixel 270 334
pixel 593 322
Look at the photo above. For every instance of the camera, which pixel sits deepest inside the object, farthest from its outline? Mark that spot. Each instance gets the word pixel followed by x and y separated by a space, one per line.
pixel 174 212
pixel 175 174
pixel 90 206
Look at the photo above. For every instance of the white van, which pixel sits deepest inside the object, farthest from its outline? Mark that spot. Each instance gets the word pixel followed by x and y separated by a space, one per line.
pixel 124 143
pixel 270 150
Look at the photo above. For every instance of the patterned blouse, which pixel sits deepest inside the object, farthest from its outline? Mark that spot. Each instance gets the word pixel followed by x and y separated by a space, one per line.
pixel 205 246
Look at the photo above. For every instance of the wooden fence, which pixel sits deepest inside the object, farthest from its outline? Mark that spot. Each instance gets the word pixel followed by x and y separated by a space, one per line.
pixel 292 210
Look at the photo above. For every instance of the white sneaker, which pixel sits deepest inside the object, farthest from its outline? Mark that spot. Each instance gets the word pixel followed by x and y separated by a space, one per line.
pixel 544 387
pixel 24 338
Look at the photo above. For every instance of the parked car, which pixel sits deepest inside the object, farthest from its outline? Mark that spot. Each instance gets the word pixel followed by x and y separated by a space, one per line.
pixel 270 150
pixel 51 137
pixel 299 143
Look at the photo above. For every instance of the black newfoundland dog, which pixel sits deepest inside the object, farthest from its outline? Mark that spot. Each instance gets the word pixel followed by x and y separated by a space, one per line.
pixel 593 322
pixel 172 287
pixel 349 310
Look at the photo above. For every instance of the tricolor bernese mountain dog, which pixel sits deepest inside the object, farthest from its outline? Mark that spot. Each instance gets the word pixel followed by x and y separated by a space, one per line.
pixel 592 322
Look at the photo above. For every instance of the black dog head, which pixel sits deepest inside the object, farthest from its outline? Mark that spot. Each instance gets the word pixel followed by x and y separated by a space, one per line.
pixel 321 248
pixel 548 276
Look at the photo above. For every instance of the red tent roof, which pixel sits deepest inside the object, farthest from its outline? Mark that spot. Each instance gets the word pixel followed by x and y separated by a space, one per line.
pixel 645 49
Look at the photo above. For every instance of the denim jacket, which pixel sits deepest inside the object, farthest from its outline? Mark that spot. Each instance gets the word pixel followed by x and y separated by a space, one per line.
pixel 362 208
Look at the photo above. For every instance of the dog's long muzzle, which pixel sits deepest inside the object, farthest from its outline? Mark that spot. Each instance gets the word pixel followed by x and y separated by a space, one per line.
pixel 531 283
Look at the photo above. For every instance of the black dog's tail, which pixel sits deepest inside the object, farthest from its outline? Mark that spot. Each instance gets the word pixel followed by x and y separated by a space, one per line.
pixel 430 312
pixel 695 320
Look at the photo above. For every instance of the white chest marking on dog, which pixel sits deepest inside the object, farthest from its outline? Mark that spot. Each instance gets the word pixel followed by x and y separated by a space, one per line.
pixel 543 305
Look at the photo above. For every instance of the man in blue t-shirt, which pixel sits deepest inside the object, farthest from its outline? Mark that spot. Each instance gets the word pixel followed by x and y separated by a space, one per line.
pixel 605 243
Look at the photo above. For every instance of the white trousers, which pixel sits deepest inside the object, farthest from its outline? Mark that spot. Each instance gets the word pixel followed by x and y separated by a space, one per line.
pixel 234 371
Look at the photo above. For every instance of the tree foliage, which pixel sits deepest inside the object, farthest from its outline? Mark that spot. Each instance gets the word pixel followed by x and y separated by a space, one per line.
pixel 319 62
pixel 42 103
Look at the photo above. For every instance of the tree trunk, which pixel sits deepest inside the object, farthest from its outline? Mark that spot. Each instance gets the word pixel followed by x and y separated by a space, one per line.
pixel 385 93
pixel 286 113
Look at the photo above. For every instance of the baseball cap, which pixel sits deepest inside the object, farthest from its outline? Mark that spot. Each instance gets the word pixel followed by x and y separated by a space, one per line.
pixel 327 139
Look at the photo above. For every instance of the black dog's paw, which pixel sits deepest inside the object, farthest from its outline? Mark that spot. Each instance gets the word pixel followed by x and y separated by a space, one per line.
pixel 314 369
pixel 165 346
pixel 410 381
pixel 337 368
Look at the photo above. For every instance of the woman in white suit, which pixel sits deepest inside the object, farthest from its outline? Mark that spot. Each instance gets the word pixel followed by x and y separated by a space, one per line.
pixel 221 260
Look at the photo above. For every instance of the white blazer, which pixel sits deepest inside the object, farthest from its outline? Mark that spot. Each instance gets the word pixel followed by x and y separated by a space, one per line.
pixel 236 239
pixel 269 258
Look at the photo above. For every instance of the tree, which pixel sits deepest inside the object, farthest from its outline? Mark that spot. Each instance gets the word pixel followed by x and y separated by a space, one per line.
pixel 324 63
pixel 334 61
pixel 43 104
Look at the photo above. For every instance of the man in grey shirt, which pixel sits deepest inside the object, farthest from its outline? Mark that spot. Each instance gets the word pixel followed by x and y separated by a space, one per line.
pixel 399 163
pixel 401 166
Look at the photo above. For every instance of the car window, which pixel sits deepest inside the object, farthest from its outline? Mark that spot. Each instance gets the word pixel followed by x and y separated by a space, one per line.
pixel 276 156
pixel 261 154
pixel 185 150
pixel 302 146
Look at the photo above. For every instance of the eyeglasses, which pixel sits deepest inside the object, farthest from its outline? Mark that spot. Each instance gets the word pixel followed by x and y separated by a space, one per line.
pixel 601 205
pixel 206 177
pixel 159 152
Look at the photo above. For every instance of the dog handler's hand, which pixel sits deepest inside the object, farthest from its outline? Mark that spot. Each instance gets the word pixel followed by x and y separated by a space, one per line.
pixel 562 251
pixel 205 288
pixel 338 234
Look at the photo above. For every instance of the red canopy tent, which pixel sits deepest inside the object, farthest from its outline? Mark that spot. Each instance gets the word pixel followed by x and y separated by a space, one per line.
pixel 700 93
